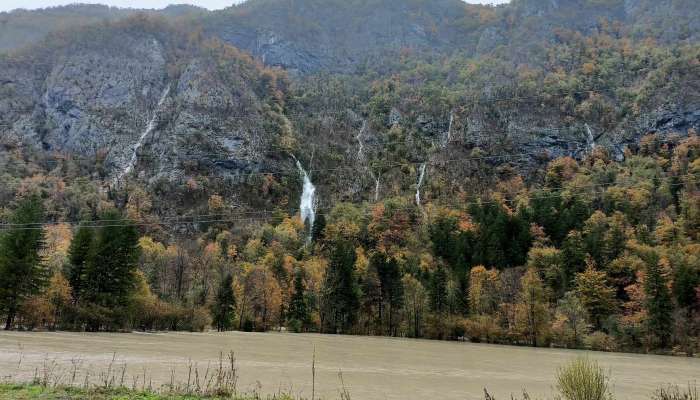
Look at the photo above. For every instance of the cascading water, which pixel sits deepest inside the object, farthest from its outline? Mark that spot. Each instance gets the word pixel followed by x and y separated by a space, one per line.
pixel 590 139
pixel 420 183
pixel 149 128
pixel 449 129
pixel 361 158
pixel 361 146
pixel 307 205
pixel 376 185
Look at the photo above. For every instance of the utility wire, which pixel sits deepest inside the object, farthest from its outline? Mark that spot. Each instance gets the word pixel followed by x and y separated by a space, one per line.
pixel 211 218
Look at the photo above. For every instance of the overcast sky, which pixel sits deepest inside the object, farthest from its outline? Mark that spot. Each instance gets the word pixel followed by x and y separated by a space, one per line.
pixel 7 5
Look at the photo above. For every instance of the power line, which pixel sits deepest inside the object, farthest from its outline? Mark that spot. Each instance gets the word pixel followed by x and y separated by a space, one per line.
pixel 211 218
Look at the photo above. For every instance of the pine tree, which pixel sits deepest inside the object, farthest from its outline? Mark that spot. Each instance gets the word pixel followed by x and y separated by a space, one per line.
pixel 341 292
pixel 391 288
pixel 21 272
pixel 298 307
pixel 438 290
pixel 319 226
pixel 109 273
pixel 224 306
pixel 78 256
pixel 658 303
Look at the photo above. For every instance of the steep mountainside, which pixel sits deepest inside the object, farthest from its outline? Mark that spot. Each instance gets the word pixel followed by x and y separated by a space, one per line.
pixel 378 88
pixel 22 27
pixel 113 92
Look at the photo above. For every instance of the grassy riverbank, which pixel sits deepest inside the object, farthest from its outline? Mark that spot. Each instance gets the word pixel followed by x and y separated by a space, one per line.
pixel 38 392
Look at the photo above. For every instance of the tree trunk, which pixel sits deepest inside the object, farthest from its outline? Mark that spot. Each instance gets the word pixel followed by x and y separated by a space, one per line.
pixel 10 320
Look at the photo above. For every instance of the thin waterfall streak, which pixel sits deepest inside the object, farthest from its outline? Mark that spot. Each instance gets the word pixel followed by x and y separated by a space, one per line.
pixel 590 139
pixel 420 183
pixel 449 128
pixel 376 185
pixel 149 128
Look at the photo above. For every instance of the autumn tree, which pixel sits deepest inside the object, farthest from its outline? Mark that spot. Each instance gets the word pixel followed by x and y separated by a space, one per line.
pixel 21 271
pixel 572 317
pixel 532 307
pixel 415 304
pixel 484 290
pixel 549 263
pixel 597 296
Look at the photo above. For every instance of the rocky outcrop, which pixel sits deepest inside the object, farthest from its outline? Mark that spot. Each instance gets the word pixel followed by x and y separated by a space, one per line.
pixel 138 104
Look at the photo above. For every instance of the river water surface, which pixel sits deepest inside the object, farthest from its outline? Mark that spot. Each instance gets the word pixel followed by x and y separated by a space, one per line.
pixel 372 367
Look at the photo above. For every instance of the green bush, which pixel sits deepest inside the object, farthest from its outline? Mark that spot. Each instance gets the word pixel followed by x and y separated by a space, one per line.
pixel 600 341
pixel 583 379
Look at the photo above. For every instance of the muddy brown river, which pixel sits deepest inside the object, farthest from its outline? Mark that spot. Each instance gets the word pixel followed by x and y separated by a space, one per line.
pixel 371 367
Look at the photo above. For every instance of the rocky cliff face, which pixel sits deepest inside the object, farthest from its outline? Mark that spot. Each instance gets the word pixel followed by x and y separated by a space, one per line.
pixel 124 90
pixel 159 101
pixel 340 36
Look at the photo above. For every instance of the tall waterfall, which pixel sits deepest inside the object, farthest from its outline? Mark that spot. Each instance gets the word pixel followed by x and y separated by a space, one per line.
pixel 149 128
pixel 449 129
pixel 376 184
pixel 361 145
pixel 307 205
pixel 420 183
pixel 590 139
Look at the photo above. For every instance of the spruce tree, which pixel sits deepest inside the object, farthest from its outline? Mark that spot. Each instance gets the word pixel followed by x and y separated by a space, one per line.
pixel 391 287
pixel 298 307
pixel 341 291
pixel 438 290
pixel 109 272
pixel 78 256
pixel 21 272
pixel 658 303
pixel 319 226
pixel 224 306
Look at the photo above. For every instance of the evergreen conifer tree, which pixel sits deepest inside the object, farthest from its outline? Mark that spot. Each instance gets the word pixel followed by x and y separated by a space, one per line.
pixel 78 256
pixel 224 306
pixel 21 272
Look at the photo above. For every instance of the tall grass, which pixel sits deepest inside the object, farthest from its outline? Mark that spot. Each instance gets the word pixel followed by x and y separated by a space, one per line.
pixel 676 393
pixel 583 379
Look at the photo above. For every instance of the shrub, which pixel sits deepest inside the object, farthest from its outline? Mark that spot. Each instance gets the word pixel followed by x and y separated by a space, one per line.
pixel 583 379
pixel 600 341
pixel 198 319
pixel 483 328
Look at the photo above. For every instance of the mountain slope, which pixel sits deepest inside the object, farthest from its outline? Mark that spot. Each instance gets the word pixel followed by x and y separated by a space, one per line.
pixel 20 28
pixel 110 91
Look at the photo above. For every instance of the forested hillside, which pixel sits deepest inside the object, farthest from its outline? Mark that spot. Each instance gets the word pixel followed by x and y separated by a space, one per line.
pixel 521 174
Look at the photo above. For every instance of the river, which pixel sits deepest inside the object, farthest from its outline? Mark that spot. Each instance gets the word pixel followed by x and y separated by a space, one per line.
pixel 372 367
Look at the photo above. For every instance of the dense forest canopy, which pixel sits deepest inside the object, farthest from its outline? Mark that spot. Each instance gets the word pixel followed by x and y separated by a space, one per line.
pixel 522 174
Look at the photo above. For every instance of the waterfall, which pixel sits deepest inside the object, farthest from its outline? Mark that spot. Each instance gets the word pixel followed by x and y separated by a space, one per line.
pixel 149 128
pixel 420 182
pixel 590 139
pixel 449 129
pixel 307 205
pixel 376 185
pixel 361 145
